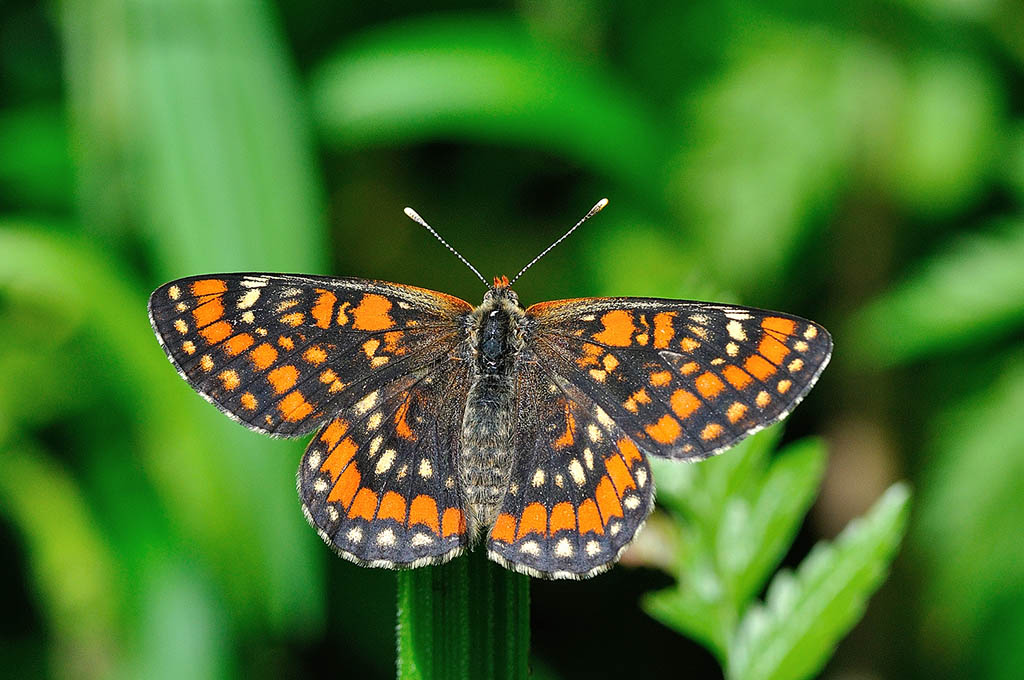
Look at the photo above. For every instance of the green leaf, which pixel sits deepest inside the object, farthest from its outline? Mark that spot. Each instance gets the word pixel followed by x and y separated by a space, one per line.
pixel 484 79
pixel 972 291
pixel 805 614
pixel 755 534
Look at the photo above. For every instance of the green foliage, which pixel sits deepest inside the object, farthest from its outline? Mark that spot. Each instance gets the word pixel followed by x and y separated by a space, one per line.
pixel 735 518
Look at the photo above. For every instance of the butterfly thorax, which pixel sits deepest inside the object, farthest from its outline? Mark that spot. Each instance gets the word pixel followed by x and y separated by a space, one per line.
pixel 495 339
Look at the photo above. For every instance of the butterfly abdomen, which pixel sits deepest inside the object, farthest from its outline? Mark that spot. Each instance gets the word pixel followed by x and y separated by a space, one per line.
pixel 486 460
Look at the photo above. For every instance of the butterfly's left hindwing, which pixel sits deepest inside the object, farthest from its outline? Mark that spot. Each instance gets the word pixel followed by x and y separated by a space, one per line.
pixel 379 481
pixel 281 353
pixel 682 379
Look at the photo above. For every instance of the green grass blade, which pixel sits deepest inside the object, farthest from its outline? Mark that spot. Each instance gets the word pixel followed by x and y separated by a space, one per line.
pixel 806 613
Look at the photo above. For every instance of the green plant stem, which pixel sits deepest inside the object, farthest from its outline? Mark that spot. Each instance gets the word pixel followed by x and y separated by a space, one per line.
pixel 469 618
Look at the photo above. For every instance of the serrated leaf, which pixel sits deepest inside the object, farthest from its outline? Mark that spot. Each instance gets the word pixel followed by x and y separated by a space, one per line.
pixel 685 611
pixel 972 291
pixel 793 634
pixel 751 545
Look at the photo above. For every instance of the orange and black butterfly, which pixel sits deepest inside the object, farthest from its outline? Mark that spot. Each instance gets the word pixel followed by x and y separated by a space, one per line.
pixel 440 424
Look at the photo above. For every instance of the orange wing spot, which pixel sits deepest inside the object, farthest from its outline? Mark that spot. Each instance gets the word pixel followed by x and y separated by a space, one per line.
pixel 453 523
pixel 610 362
pixel 214 333
pixel 688 344
pixel 709 385
pixel 504 528
pixel 784 386
pixel 763 399
pixel 391 343
pixel 533 521
pixel 339 458
pixel 664 331
pixel 285 342
pixel 563 516
pixel 209 287
pixel 424 511
pixel 619 474
pixel 779 325
pixel 372 313
pixel 638 397
pixel 324 308
pixel 315 355
pixel 568 437
pixel 329 377
pixel 342 316
pixel 607 501
pixel 665 431
pixel 629 450
pixel 589 518
pixel 238 344
pixel 736 376
pixel 618 328
pixel 283 378
pixel 661 378
pixel 689 367
pixel 230 379
pixel 759 367
pixel 206 362
pixel 293 319
pixel 392 506
pixel 402 428
pixel 249 402
pixel 711 431
pixel 263 356
pixel 684 403
pixel 365 504
pixel 774 350
pixel 294 407
pixel 208 312
pixel 590 354
pixel 346 487
pixel 333 433
pixel 736 411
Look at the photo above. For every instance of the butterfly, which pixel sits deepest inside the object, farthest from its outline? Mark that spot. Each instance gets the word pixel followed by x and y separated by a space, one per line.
pixel 440 424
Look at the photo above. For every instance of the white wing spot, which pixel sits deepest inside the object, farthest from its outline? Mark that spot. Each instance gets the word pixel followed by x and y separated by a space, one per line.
pixel 631 502
pixel 366 403
pixel 559 480
pixel 249 299
pixel 594 432
pixel 387 459
pixel 641 477
pixel 248 317
pixel 538 477
pixel 375 445
pixel 615 528
pixel 174 292
pixel 254 281
pixel 530 548
pixel 737 316
pixel 332 513
pixel 736 331
pixel 576 472
pixel 314 459
pixel 373 422
pixel 563 548
pixel 592 548
pixel 699 318
pixel 180 326
pixel 811 333
pixel 355 534
pixel 426 469
pixel 421 539
pixel 588 458
pixel 603 417
pixel 386 538
pixel 320 485
pixel 732 349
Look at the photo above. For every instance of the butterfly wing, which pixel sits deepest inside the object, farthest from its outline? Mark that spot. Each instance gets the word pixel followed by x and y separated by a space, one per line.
pixel 281 353
pixel 682 379
pixel 374 365
pixel 378 482
pixel 581 488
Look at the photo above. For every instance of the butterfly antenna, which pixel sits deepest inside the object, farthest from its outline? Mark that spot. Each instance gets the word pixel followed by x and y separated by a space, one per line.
pixel 593 211
pixel 415 217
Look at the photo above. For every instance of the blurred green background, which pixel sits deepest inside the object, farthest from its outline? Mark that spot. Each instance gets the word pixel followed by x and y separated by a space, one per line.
pixel 862 166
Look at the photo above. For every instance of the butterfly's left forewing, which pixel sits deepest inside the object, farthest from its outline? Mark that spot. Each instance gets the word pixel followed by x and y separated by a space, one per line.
pixel 280 353
pixel 683 379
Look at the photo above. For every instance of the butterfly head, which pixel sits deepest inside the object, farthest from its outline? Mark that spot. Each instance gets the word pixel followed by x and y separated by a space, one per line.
pixel 501 291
